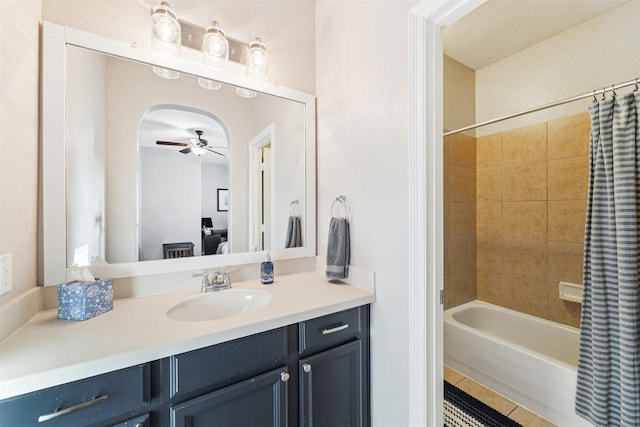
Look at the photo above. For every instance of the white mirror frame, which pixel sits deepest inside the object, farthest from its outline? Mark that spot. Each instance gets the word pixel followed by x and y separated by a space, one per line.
pixel 53 231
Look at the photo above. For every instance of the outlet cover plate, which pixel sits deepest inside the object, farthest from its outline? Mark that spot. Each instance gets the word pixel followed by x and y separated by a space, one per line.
pixel 5 273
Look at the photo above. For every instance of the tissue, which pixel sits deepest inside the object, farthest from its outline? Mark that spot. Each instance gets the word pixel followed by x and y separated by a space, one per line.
pixel 85 297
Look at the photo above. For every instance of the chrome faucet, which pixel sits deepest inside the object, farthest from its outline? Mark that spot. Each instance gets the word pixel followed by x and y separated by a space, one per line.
pixel 215 280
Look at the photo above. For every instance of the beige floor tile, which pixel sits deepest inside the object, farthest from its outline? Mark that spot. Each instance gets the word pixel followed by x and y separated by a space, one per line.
pixel 452 376
pixel 489 397
pixel 529 419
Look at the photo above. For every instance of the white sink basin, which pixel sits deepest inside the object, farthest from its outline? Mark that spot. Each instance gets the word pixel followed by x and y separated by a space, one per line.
pixel 219 305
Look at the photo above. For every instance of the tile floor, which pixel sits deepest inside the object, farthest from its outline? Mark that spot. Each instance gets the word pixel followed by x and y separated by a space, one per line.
pixel 495 400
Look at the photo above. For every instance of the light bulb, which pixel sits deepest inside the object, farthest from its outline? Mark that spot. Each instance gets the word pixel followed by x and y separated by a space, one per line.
pixel 215 48
pixel 166 37
pixel 209 84
pixel 258 62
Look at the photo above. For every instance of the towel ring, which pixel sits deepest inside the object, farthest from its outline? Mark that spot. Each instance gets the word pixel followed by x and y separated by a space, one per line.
pixel 337 203
pixel 294 208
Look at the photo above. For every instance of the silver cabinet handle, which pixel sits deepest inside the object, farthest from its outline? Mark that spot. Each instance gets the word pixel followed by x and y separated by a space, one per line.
pixel 284 376
pixel 59 413
pixel 336 329
pixel 306 367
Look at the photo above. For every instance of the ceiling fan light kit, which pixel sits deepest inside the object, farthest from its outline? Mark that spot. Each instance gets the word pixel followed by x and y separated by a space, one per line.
pixel 198 146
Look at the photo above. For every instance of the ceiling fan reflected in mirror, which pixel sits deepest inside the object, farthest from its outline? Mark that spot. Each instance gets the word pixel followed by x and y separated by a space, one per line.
pixel 198 145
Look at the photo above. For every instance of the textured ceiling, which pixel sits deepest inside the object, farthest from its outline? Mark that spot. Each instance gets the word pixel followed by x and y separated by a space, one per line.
pixel 500 28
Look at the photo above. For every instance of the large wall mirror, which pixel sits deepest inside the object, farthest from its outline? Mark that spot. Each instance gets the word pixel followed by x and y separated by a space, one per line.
pixel 143 174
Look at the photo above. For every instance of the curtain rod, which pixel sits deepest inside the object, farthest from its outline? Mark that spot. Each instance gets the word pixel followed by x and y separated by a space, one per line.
pixel 544 107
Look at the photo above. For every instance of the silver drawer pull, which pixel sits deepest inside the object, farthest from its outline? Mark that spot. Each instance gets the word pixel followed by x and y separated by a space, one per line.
pixel 43 418
pixel 334 330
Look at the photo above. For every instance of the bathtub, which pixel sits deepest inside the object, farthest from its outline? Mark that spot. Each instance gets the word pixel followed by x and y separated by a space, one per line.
pixel 527 359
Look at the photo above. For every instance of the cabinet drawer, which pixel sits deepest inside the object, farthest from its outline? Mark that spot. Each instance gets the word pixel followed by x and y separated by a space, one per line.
pixel 84 402
pixel 330 330
pixel 221 364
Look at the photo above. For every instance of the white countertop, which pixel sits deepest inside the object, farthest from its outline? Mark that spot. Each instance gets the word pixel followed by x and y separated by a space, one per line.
pixel 46 351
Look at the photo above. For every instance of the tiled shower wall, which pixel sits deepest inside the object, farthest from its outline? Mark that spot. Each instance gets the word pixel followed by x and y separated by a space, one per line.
pixel 459 219
pixel 531 188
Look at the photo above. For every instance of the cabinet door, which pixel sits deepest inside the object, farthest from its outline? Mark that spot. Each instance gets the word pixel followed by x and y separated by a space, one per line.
pixel 331 388
pixel 258 402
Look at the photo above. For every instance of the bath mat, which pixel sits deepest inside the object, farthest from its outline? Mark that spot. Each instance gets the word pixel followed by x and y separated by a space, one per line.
pixel 463 410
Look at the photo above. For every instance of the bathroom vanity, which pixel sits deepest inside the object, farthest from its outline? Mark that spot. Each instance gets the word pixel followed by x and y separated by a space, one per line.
pixel 301 360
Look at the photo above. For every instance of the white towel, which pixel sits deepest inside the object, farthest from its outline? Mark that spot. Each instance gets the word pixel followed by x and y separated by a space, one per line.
pixel 338 249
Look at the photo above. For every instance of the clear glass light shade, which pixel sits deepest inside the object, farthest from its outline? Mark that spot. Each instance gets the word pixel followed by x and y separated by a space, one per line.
pixel 209 84
pixel 258 60
pixel 166 38
pixel 215 48
pixel 166 73
pixel 246 93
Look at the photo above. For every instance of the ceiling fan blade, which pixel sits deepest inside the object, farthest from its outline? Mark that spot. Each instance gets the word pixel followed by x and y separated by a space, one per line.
pixel 186 150
pixel 177 144
pixel 214 151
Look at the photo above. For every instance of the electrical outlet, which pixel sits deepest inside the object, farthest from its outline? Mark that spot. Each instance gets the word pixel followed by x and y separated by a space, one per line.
pixel 5 273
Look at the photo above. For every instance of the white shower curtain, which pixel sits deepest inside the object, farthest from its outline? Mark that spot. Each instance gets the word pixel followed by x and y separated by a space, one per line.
pixel 608 387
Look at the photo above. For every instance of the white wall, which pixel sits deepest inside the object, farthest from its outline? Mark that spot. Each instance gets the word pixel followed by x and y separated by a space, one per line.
pixel 170 206
pixel 19 56
pixel 214 176
pixel 459 88
pixel 363 104
pixel 597 53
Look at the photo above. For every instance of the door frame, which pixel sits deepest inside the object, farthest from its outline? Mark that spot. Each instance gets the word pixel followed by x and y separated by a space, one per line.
pixel 264 137
pixel 426 264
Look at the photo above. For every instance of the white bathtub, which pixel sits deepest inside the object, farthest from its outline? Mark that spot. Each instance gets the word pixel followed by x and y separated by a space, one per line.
pixel 527 359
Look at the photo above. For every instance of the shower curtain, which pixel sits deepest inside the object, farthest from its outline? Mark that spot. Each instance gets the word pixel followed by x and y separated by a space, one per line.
pixel 608 387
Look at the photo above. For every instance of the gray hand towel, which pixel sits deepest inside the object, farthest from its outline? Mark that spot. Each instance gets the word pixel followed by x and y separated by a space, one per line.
pixel 338 249
pixel 294 235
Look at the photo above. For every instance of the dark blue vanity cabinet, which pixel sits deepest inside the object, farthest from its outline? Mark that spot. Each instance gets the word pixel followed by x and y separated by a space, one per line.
pixel 311 374
pixel 121 398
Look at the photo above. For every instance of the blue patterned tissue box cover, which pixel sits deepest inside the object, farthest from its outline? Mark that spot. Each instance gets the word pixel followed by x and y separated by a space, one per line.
pixel 84 300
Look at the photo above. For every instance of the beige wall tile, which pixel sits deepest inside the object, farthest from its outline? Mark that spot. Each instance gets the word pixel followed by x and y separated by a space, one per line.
pixel 524 220
pixel 568 178
pixel 461 184
pixel 488 185
pixel 458 250
pixel 562 311
pixel 524 183
pixel 569 136
pixel 489 285
pixel 567 220
pixel 462 151
pixel 489 151
pixel 461 219
pixel 460 289
pixel 489 219
pixel 565 261
pixel 525 294
pixel 525 145
pixel 489 254
pixel 525 258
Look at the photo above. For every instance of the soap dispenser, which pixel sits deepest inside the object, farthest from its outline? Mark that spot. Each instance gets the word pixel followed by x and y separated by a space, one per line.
pixel 266 271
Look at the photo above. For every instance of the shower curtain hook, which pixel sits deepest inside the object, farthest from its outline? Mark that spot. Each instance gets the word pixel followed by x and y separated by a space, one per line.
pixel 613 90
pixel 635 89
pixel 604 91
pixel 595 99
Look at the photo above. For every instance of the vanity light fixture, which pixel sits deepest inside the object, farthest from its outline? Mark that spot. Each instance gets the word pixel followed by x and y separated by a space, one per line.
pixel 246 93
pixel 209 84
pixel 166 38
pixel 215 48
pixel 166 73
pixel 258 60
